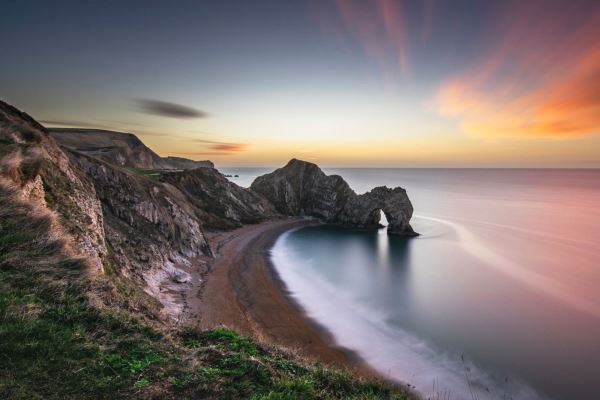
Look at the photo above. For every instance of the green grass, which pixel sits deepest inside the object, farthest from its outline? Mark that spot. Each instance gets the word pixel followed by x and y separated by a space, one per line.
pixel 152 174
pixel 241 368
pixel 54 344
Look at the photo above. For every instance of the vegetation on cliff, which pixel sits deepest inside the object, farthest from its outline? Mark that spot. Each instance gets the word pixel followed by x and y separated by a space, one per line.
pixel 66 334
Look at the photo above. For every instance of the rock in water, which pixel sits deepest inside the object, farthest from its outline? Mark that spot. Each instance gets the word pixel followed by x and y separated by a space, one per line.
pixel 301 188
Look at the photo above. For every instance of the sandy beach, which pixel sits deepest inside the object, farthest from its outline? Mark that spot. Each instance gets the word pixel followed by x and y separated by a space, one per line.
pixel 242 291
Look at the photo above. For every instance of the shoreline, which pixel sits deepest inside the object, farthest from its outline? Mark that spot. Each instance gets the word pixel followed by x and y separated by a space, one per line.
pixel 244 292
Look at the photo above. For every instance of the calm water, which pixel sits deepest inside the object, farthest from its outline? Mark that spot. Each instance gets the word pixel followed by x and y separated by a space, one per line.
pixel 499 297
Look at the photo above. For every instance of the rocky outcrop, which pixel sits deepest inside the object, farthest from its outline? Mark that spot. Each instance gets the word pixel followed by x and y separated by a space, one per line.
pixel 363 210
pixel 219 203
pixel 146 226
pixel 301 188
pixel 121 149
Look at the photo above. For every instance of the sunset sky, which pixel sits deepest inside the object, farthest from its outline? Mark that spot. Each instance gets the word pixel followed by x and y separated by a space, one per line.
pixel 378 83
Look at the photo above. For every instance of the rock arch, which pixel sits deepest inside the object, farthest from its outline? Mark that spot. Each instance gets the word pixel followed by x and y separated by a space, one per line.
pixel 301 188
pixel 363 210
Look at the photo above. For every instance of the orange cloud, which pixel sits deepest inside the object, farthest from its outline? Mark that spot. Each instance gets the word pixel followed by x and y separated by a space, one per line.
pixel 215 148
pixel 541 79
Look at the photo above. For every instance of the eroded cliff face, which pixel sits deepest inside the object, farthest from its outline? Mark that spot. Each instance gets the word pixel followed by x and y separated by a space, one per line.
pixel 220 204
pixel 301 188
pixel 150 232
pixel 32 162
pixel 148 229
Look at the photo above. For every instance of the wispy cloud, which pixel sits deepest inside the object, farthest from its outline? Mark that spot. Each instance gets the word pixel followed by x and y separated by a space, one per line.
pixel 166 109
pixel 212 147
pixel 379 27
pixel 429 9
pixel 539 78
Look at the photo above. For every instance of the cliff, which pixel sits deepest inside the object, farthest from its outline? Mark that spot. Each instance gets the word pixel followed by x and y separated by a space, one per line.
pixel 219 203
pixel 142 227
pixel 32 162
pixel 301 188
pixel 121 149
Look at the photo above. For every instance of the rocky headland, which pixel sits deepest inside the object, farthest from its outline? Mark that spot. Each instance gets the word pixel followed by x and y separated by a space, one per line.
pixel 300 188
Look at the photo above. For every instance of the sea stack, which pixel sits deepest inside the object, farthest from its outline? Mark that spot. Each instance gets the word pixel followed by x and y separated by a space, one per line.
pixel 302 188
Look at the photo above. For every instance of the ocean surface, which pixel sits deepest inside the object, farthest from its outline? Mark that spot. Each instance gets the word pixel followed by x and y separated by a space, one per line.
pixel 499 298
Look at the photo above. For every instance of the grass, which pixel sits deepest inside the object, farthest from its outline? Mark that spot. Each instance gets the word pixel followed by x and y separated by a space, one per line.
pixel 152 174
pixel 242 368
pixel 55 344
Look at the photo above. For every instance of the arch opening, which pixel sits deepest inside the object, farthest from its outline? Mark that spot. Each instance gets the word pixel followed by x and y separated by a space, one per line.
pixel 377 219
pixel 373 219
pixel 383 221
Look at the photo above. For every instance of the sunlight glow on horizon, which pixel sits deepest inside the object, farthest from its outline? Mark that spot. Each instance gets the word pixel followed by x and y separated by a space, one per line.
pixel 341 83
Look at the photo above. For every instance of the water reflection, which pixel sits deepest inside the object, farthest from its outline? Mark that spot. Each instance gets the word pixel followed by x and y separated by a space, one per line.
pixel 362 286
pixel 383 250
pixel 505 274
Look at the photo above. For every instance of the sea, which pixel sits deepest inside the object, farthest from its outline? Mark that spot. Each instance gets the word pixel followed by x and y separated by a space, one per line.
pixel 498 298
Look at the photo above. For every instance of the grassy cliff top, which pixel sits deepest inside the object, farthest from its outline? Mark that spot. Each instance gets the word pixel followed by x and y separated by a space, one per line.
pixel 66 335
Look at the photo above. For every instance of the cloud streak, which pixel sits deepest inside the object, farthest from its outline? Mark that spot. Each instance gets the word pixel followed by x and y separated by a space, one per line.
pixel 211 147
pixel 536 80
pixel 380 30
pixel 379 27
pixel 166 109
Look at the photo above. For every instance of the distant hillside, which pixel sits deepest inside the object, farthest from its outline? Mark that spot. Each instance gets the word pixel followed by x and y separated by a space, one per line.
pixel 185 163
pixel 118 148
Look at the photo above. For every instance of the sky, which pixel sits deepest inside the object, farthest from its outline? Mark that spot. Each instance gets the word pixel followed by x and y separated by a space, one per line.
pixel 380 83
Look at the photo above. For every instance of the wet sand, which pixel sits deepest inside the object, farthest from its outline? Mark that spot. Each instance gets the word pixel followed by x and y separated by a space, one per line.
pixel 242 291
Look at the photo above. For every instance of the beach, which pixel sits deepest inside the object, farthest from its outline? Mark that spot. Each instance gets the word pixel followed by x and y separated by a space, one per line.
pixel 242 292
